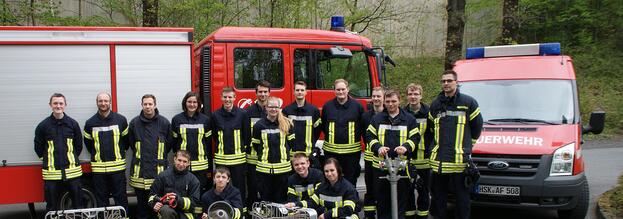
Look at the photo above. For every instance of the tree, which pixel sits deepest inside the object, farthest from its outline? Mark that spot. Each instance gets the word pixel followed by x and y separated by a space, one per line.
pixel 150 13
pixel 455 28
pixel 510 23
pixel 363 16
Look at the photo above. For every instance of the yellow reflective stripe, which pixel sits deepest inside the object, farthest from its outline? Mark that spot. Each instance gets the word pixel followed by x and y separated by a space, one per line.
pixel 372 129
pixel 292 191
pixel 116 137
pixel 255 140
pixel 474 114
pixel 351 132
pixel 237 143
pixel 51 155
pixel 137 166
pixel 236 213
pixel 433 154
pixel 334 212
pixel 349 203
pixel 70 152
pixel 87 135
pixel 108 166
pixel 283 154
pixel 382 136
pixel 369 208
pixel 70 173
pixel 220 143
pixel 208 134
pixel 96 144
pixel 184 140
pixel 341 148
pixel 125 132
pixel 308 136
pixel 458 144
pixel 402 137
pixel 189 215
pixel 265 147
pixel 317 123
pixel 410 213
pixel 198 210
pixel 331 133
pixel 186 203
pixel 141 183
pixel 421 213
pixel 413 132
pixel 304 203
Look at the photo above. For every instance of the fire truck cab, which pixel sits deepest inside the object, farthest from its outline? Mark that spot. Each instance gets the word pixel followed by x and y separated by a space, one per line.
pixel 530 151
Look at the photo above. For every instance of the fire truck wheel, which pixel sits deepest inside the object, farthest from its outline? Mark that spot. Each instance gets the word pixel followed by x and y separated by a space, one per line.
pixel 580 210
pixel 88 199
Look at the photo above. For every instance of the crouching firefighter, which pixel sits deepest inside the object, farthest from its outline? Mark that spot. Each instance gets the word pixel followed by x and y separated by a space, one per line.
pixel 392 133
pixel 175 191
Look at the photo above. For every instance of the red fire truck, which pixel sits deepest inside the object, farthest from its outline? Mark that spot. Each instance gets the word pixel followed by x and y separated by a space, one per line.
pixel 530 151
pixel 129 62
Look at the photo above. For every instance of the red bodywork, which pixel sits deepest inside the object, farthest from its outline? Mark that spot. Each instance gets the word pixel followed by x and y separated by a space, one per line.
pixel 524 143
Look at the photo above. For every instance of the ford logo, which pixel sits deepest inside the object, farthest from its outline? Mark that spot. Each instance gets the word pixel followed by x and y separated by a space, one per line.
pixel 498 165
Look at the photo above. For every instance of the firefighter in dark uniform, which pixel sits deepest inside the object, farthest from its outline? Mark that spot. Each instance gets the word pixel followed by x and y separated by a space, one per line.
pixel 456 123
pixel 335 197
pixel 341 119
pixel 175 192
pixel 256 112
pixel 272 137
pixel 392 133
pixel 306 119
pixel 369 200
pixel 150 136
pixel 106 138
pixel 302 184
pixel 222 191
pixel 58 143
pixel 231 134
pixel 419 158
pixel 192 132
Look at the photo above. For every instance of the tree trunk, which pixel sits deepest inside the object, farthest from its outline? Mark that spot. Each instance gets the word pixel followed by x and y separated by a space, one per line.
pixel 150 13
pixel 455 28
pixel 510 26
pixel 32 13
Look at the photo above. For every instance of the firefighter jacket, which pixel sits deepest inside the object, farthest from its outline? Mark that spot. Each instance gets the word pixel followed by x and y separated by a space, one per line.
pixel 306 120
pixel 365 122
pixel 420 157
pixel 334 201
pixel 106 138
pixel 341 126
pixel 184 184
pixel 300 189
pixel 150 140
pixel 385 131
pixel 456 124
pixel 231 134
pixel 230 194
pixel 58 142
pixel 192 134
pixel 255 112
pixel 273 147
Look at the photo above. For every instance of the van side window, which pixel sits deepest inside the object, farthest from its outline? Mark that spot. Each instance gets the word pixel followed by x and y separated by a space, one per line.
pixel 319 70
pixel 255 64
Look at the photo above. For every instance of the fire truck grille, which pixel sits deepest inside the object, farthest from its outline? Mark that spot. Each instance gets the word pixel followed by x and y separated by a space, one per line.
pixel 507 165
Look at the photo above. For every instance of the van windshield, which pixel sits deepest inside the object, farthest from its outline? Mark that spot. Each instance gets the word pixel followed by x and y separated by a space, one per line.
pixel 523 101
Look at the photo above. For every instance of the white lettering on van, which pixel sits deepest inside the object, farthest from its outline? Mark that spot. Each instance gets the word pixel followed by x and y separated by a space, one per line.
pixel 520 140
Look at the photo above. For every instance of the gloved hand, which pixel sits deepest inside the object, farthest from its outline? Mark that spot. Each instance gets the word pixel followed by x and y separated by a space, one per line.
pixel 472 175
pixel 169 199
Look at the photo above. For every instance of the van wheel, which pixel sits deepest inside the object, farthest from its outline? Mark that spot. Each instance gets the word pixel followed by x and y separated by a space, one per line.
pixel 88 199
pixel 580 210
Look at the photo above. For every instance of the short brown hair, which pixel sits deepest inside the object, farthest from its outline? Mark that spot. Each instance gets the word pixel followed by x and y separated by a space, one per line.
pixel 57 95
pixel 227 89
pixel 414 86
pixel 302 83
pixel 149 96
pixel 340 80
pixel 299 154
pixel 183 153
pixel 450 72
pixel 338 168
pixel 378 88
pixel 262 83
pixel 223 170
pixel 189 95
pixel 390 93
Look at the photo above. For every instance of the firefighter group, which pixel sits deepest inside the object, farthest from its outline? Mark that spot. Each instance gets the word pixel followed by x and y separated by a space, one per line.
pixel 267 152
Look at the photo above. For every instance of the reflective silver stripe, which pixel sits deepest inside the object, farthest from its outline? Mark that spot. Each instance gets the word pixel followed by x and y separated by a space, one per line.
pixel 300 118
pixel 191 126
pixel 422 120
pixel 393 127
pixel 300 188
pixel 254 120
pixel 330 198
pixel 452 113
pixel 105 128
pixel 271 131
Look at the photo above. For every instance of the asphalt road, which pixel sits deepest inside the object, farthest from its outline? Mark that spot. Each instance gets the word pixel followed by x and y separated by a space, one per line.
pixel 603 166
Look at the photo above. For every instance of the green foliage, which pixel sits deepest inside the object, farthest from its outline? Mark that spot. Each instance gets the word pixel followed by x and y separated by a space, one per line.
pixel 425 71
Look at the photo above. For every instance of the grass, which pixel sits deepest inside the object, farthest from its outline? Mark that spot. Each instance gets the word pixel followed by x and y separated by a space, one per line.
pixel 611 202
pixel 599 75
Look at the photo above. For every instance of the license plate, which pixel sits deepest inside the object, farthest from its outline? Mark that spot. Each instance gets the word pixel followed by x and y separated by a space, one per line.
pixel 498 190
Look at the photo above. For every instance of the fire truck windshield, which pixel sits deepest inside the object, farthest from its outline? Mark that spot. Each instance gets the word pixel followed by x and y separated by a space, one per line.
pixel 524 101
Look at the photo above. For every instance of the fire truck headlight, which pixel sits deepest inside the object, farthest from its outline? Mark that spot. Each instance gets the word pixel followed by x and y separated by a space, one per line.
pixel 562 161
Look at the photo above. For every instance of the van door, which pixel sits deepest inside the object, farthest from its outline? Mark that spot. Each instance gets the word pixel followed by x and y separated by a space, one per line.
pixel 255 62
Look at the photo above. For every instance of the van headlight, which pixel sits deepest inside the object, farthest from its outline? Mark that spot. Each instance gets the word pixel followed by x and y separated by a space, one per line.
pixel 562 162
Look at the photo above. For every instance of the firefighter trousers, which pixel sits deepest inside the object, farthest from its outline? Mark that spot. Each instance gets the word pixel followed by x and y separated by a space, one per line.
pixel 421 210
pixel 107 184
pixel 350 165
pixel 369 200
pixel 252 187
pixel 384 197
pixel 273 187
pixel 204 182
pixel 143 210
pixel 55 189
pixel 440 184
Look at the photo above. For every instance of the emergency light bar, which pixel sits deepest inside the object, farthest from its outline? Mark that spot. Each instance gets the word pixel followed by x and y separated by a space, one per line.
pixel 337 23
pixel 513 50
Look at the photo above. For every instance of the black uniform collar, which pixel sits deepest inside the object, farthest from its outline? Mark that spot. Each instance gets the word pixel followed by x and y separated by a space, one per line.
pixel 62 120
pixel 234 111
pixel 145 119
pixel 345 105
pixel 107 117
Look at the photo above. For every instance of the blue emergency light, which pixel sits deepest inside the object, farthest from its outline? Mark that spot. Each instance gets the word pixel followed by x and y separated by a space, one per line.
pixel 513 50
pixel 337 23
